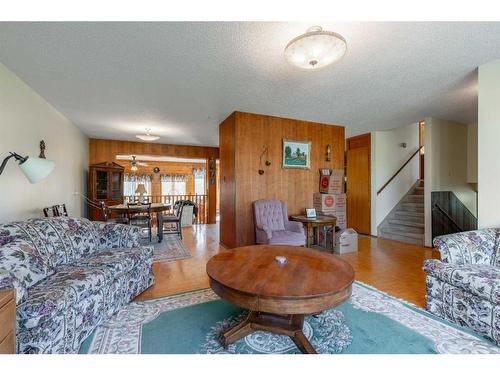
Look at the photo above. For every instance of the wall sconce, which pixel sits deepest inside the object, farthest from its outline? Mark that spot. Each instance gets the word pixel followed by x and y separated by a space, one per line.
pixel 328 152
pixel 42 149
pixel 35 169
pixel 265 151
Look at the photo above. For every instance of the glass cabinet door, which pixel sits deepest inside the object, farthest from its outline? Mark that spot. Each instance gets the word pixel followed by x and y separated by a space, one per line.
pixel 116 185
pixel 102 184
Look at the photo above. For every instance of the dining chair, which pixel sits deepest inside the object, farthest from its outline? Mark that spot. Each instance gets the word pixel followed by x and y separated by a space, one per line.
pixel 50 212
pixel 175 221
pixel 60 209
pixel 140 218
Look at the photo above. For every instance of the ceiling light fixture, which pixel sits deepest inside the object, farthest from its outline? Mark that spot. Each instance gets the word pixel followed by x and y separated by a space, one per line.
pixel 147 136
pixel 315 49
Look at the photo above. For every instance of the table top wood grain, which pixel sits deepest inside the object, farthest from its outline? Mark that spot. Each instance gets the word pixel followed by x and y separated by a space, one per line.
pixel 319 219
pixel 309 282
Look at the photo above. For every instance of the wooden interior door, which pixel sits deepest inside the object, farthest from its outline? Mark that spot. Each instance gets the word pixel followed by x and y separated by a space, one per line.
pixel 358 186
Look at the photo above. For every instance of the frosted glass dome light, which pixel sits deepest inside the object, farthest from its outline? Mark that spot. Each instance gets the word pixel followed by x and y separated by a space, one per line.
pixel 315 49
pixel 147 136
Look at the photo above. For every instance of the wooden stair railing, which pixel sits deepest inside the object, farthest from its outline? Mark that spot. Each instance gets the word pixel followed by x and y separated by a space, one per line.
pixel 399 170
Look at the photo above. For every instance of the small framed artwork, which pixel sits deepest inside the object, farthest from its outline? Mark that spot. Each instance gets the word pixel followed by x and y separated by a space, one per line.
pixel 310 213
pixel 296 154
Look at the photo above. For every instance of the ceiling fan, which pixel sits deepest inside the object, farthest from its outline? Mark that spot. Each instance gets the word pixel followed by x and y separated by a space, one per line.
pixel 134 163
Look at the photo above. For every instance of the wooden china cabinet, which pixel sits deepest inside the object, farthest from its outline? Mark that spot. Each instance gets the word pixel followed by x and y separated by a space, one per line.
pixel 105 185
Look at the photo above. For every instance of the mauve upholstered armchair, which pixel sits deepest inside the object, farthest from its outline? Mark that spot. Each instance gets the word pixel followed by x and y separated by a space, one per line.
pixel 272 226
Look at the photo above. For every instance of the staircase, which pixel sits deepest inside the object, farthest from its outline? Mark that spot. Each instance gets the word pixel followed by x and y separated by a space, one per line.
pixel 405 222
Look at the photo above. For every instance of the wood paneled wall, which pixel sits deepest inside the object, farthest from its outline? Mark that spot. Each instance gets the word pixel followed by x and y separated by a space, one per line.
pixel 243 136
pixel 106 150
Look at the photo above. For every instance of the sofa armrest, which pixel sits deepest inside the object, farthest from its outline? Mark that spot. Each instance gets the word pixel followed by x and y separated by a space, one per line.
pixel 263 233
pixel 294 226
pixel 443 271
pixel 472 247
pixel 481 280
pixel 113 235
pixel 9 281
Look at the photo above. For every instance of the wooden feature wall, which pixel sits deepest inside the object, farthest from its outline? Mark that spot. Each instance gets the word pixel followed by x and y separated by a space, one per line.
pixel 243 136
pixel 106 150
pixel 358 172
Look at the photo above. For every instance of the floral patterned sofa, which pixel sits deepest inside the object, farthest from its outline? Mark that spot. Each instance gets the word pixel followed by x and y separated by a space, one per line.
pixel 464 287
pixel 69 275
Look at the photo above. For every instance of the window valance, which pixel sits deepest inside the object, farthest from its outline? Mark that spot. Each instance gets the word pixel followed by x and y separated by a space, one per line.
pixel 173 178
pixel 139 178
pixel 199 171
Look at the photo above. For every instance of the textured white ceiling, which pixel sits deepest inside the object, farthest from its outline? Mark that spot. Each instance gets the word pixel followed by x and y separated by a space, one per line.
pixel 182 79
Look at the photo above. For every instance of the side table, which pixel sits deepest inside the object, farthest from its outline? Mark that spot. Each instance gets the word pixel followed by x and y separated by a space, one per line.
pixel 312 227
pixel 7 321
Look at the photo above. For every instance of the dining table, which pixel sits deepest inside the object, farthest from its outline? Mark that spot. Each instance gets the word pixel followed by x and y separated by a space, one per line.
pixel 157 208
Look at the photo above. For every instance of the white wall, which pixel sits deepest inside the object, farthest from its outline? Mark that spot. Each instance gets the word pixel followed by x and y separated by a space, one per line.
pixel 387 157
pixel 25 119
pixel 488 176
pixel 446 165
pixel 472 153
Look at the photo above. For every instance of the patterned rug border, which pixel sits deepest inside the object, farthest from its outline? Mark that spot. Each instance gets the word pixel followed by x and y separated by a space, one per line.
pixel 164 256
pixel 122 332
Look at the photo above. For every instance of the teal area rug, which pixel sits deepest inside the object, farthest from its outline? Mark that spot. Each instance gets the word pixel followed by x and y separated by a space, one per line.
pixel 370 322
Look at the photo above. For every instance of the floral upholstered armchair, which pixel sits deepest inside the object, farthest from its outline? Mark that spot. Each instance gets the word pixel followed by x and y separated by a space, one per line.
pixel 464 287
pixel 272 225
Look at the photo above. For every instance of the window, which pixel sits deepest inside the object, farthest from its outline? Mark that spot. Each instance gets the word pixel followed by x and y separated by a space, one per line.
pixel 199 181
pixel 131 181
pixel 173 188
pixel 173 184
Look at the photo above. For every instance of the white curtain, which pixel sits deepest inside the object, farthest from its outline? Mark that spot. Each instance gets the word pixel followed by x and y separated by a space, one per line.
pixel 173 184
pixel 199 181
pixel 130 182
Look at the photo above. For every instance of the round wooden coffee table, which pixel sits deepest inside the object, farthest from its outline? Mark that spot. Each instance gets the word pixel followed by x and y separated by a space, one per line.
pixel 279 295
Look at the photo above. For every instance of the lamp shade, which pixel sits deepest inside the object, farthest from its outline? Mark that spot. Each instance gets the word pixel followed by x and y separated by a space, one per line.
pixel 141 189
pixel 36 169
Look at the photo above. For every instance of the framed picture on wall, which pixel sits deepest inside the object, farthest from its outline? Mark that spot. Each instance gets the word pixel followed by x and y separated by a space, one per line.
pixel 296 154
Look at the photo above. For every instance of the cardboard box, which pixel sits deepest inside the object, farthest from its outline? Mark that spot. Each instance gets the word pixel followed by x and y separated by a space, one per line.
pixel 330 202
pixel 325 237
pixel 346 241
pixel 333 184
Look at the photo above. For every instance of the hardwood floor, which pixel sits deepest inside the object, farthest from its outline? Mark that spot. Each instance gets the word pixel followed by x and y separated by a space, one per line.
pixel 185 275
pixel 391 266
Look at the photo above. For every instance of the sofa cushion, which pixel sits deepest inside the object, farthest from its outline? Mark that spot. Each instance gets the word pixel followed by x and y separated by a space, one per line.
pixel 112 235
pixel 23 261
pixel 58 240
pixel 118 260
pixel 496 257
pixel 58 292
pixel 284 237
pixel 75 282
pixel 478 279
